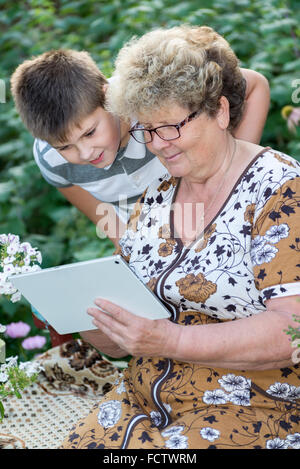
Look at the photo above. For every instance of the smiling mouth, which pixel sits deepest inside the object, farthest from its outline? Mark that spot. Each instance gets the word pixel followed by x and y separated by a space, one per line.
pixel 172 157
pixel 97 160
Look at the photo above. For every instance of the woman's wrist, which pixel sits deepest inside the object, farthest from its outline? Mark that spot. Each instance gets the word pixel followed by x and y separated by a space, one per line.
pixel 174 342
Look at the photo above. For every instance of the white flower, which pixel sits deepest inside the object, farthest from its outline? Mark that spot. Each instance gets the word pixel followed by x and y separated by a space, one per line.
pixel 258 242
pixel 38 257
pixel 209 434
pixel 293 440
pixel 279 390
pixel 9 260
pixel 294 392
pixel 155 418
pixel 177 442
pixel 16 258
pixel 121 388
pixel 26 268
pixel 232 382
pixel 16 297
pixel 109 413
pixel 9 269
pixel 240 397
pixel 11 362
pixel 11 238
pixel 3 278
pixel 172 431
pixel 3 377
pixel 12 249
pixel 264 255
pixel 3 239
pixel 277 443
pixel 27 261
pixel 2 328
pixel 7 289
pixel 31 368
pixel 18 270
pixel 276 233
pixel 31 252
pixel 215 397
pixel 24 247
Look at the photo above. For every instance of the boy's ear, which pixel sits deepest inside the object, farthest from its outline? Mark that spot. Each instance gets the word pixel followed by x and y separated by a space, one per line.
pixel 105 87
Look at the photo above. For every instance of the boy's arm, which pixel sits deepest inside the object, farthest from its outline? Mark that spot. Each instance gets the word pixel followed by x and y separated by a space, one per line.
pixel 256 107
pixel 102 214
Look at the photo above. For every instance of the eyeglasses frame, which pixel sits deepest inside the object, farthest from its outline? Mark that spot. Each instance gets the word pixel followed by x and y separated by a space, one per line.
pixel 178 126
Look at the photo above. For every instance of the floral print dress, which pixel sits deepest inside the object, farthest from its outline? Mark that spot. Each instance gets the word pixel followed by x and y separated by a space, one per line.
pixel 248 254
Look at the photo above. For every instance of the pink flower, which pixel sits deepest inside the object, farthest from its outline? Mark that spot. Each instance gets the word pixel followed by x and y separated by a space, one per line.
pixel 38 341
pixel 17 329
pixel 292 115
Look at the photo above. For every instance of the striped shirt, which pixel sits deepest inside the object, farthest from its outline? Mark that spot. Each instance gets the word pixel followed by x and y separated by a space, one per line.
pixel 121 183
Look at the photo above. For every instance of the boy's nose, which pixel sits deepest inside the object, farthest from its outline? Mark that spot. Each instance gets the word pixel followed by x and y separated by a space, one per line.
pixel 85 152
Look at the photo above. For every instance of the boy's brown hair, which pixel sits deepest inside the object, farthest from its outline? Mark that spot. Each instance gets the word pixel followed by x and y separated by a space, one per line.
pixel 56 90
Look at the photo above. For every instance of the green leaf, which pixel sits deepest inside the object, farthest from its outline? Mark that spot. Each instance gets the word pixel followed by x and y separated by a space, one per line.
pixel 17 394
pixel 1 411
pixel 6 189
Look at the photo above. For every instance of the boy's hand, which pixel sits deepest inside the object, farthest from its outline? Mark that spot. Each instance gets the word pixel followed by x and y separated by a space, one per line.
pixel 138 336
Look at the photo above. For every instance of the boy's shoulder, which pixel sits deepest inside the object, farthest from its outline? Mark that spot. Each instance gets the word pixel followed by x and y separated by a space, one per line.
pixel 45 153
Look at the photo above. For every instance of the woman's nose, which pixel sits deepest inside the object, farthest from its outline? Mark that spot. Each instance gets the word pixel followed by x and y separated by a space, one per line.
pixel 158 143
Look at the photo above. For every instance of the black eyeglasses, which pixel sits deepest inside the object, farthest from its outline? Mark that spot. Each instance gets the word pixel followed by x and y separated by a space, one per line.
pixel 165 132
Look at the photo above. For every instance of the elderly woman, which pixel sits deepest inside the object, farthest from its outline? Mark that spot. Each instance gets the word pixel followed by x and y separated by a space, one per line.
pixel 216 240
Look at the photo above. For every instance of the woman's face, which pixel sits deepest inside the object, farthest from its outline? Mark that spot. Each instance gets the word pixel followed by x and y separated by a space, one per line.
pixel 198 150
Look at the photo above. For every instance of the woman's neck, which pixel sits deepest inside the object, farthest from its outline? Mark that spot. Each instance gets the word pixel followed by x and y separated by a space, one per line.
pixel 209 183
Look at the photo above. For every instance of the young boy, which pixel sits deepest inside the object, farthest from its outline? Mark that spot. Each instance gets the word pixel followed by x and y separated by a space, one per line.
pixel 88 153
pixel 85 151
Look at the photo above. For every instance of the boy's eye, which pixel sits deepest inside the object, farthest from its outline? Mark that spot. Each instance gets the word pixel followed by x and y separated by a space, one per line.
pixel 89 134
pixel 63 148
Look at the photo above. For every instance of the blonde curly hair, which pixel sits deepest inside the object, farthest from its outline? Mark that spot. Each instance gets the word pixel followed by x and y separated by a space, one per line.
pixel 190 66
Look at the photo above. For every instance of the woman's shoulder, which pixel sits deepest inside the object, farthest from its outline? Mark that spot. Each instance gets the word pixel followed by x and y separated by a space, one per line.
pixel 276 184
pixel 277 162
pixel 269 171
pixel 280 159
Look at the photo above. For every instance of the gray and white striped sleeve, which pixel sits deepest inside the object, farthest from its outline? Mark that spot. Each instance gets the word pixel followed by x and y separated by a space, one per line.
pixel 50 163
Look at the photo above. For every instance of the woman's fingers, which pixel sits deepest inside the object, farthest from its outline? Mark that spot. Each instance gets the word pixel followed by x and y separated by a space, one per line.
pixel 113 320
pixel 108 326
pixel 136 335
pixel 113 310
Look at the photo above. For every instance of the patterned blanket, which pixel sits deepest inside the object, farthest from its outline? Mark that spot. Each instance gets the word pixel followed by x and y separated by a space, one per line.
pixel 75 376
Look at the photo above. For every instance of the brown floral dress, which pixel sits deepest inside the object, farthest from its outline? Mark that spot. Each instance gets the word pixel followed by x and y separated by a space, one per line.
pixel 248 254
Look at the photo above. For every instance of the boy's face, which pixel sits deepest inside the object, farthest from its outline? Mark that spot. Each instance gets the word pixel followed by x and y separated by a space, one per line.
pixel 96 141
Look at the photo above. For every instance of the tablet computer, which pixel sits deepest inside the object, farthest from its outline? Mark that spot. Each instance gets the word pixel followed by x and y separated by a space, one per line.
pixel 63 294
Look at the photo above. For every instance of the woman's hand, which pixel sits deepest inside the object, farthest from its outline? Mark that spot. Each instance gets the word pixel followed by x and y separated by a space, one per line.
pixel 138 336
pixel 102 343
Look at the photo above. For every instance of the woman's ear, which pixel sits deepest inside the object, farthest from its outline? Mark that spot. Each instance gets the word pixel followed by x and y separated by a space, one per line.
pixel 223 116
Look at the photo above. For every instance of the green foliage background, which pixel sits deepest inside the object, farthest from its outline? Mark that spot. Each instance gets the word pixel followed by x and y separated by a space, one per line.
pixel 265 35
